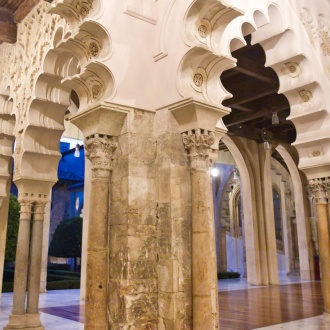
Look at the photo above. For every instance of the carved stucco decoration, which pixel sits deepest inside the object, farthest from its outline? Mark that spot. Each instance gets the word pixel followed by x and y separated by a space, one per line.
pixel 318 29
pixel 24 65
pixel 305 97
pixel 199 143
pixel 292 69
pixel 324 34
pixel 308 22
pixel 74 11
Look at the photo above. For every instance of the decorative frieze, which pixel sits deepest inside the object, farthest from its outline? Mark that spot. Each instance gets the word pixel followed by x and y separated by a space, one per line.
pixel 99 150
pixel 199 143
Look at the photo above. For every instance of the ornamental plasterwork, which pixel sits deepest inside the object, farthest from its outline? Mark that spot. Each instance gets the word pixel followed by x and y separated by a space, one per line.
pixel 73 10
pixel 23 61
pixel 305 97
pixel 318 29
pixel 307 19
pixel 324 34
pixel 292 69
pixel 23 64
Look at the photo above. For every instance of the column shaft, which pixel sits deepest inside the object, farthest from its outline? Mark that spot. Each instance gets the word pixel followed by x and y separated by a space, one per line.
pixel 324 246
pixel 22 259
pixel 35 259
pixel 97 258
pixel 98 149
pixel 205 302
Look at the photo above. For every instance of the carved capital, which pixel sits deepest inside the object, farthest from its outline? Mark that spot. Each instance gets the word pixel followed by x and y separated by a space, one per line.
pixel 319 190
pixel 199 143
pixel 25 211
pixel 99 150
pixel 39 210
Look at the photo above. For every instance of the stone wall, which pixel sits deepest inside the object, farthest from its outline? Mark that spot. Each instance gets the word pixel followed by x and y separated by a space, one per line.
pixel 174 233
pixel 150 230
pixel 133 229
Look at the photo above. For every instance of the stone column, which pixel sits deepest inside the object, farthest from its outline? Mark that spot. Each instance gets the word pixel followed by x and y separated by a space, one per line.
pixel 33 195
pixel 4 205
pixel 35 258
pixel 319 187
pixel 20 317
pixel 204 270
pixel 22 258
pixel 45 244
pixel 85 217
pixel 99 150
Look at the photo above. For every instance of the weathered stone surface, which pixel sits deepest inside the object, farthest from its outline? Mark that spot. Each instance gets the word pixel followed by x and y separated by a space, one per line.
pixel 173 234
pixel 133 229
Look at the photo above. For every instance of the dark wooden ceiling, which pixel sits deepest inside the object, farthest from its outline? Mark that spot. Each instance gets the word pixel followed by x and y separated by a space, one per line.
pixel 254 88
pixel 11 13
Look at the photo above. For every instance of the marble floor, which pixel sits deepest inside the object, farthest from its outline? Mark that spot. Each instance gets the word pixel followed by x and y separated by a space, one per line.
pixel 70 307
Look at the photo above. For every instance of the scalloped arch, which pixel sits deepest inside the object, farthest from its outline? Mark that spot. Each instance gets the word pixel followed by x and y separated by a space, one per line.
pixel 282 36
pixel 72 63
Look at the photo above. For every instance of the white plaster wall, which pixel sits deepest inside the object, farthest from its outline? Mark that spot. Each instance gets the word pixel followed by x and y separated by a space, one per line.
pixel 231 255
pixel 281 263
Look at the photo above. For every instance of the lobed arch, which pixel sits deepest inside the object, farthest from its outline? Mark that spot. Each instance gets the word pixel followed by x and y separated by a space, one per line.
pixel 282 36
pixel 249 209
pixel 72 62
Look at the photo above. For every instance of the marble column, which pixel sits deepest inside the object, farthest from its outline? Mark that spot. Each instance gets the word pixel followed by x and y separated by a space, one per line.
pixel 319 188
pixel 21 318
pixel 35 258
pixel 22 258
pixel 4 206
pixel 45 244
pixel 99 150
pixel 204 270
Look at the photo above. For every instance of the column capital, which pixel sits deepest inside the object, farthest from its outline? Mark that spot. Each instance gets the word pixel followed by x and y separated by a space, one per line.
pixel 25 211
pixel 319 190
pixel 99 150
pixel 39 210
pixel 199 143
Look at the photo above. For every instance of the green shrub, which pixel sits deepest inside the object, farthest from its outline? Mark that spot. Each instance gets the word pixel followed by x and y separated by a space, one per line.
pixel 226 275
pixel 57 278
pixel 63 285
pixel 8 275
pixel 12 229
pixel 7 286
pixel 63 273
pixel 52 266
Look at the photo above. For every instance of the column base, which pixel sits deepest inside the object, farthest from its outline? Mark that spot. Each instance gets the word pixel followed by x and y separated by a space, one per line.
pixel 24 322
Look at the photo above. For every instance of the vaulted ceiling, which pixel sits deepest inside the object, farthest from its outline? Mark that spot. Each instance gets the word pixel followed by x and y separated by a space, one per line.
pixel 11 13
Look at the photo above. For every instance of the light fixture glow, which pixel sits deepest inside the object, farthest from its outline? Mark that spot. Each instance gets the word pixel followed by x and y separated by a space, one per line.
pixel 235 176
pixel 275 119
pixel 214 171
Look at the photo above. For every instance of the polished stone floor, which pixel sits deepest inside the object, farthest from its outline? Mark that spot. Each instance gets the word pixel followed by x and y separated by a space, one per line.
pixel 67 304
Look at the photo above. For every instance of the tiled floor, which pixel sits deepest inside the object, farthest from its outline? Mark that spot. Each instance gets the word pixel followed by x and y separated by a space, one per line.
pixel 47 300
pixel 69 305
